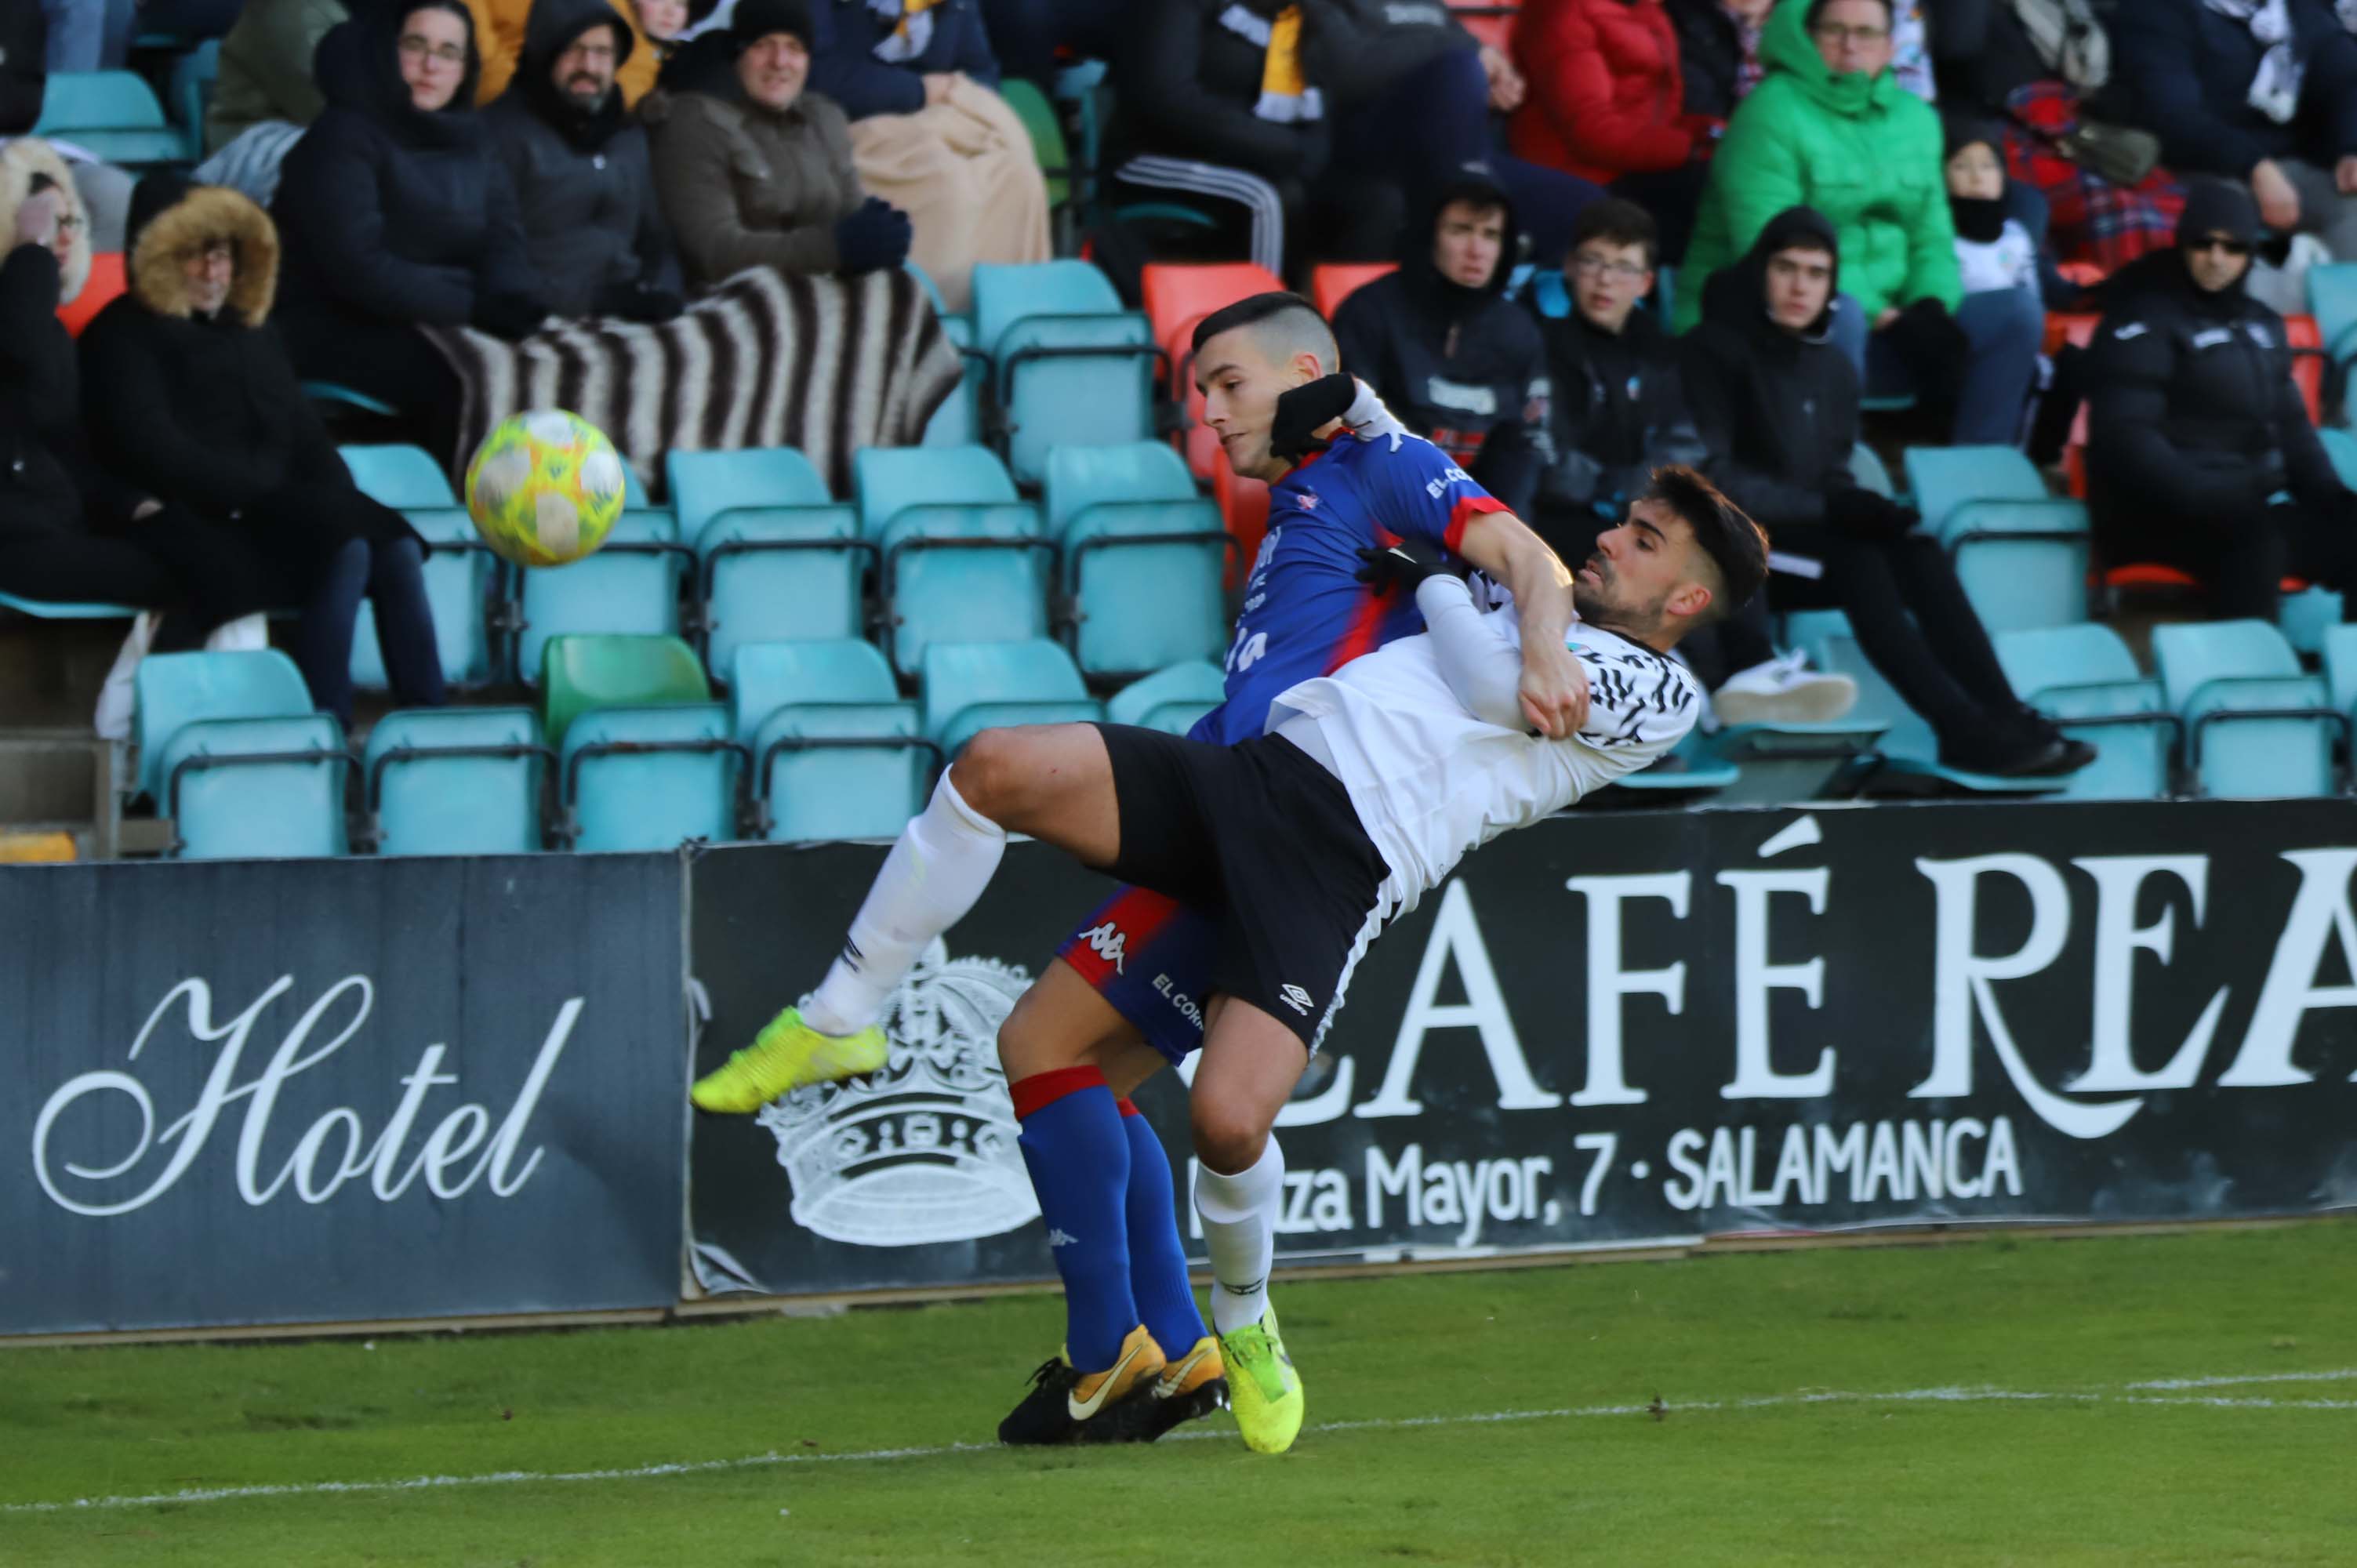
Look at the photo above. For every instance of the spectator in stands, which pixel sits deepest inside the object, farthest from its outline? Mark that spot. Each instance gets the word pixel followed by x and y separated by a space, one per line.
pixel 188 393
pixel 754 170
pixel 265 68
pixel 931 134
pixel 395 213
pixel 2264 92
pixel 2001 243
pixel 1439 342
pixel 1777 405
pixel 189 20
pixel 583 177
pixel 1607 103
pixel 501 27
pixel 88 35
pixel 1415 95
pixel 24 69
pixel 72 532
pixel 1829 126
pixel 1719 52
pixel 2200 453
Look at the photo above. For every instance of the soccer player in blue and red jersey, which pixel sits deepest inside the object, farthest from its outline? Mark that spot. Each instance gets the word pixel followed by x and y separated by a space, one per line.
pixel 1128 992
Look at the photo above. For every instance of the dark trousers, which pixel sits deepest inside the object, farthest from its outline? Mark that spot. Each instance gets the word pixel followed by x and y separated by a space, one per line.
pixel 1673 196
pixel 2244 565
pixel 392 362
pixel 389 575
pixel 170 560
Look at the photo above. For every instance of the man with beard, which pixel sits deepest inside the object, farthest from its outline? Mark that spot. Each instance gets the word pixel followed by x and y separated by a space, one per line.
pixel 583 176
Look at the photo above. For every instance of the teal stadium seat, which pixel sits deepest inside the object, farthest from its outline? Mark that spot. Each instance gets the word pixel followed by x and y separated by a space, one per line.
pixel 963 559
pixel 456 781
pixel 2021 552
pixel 173 690
pixel 193 76
pixel 2257 728
pixel 958 422
pixel 255 789
pixel 113 114
pixel 1688 772
pixel 650 778
pixel 837 755
pixel 462 583
pixel 403 478
pixel 59 609
pixel 1777 764
pixel 2086 681
pixel 2332 300
pixel 1073 369
pixel 1143 557
pixel 1169 700
pixel 631 587
pixel 778 559
pixel 2339 659
pixel 1866 465
pixel 2306 616
pixel 973 686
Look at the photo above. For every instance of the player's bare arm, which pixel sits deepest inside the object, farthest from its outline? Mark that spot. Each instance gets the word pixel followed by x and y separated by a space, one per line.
pixel 1554 686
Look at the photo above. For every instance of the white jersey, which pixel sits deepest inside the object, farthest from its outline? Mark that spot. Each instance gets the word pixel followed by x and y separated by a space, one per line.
pixel 1431 782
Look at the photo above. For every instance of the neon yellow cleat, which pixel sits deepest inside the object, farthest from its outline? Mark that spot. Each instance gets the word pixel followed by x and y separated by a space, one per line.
pixel 1262 1387
pixel 785 1056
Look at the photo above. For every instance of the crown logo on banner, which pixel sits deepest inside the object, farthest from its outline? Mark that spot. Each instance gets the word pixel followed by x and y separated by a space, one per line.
pixel 923 1150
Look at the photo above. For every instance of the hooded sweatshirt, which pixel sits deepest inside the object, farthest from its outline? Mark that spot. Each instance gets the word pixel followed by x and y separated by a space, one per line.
pixel 1862 151
pixel 1462 366
pixel 584 178
pixel 1778 410
pixel 2194 420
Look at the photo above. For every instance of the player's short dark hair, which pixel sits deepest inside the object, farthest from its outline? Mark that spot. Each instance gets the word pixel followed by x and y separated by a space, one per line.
pixel 1616 220
pixel 1285 323
pixel 1738 547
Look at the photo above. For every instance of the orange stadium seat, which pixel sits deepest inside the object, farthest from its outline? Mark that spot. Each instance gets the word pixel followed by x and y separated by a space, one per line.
pixel 1335 282
pixel 1176 293
pixel 1244 507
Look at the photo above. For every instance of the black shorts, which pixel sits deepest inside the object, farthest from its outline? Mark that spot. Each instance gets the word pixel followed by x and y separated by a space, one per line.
pixel 1262 837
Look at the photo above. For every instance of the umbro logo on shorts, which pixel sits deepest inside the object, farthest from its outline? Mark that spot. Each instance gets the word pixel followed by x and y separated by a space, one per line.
pixel 1295 998
pixel 1108 943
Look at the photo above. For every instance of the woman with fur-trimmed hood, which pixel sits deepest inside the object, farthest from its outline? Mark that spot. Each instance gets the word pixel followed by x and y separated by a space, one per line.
pixel 188 392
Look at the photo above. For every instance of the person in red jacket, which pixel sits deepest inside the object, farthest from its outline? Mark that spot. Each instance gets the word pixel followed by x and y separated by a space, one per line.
pixel 1607 103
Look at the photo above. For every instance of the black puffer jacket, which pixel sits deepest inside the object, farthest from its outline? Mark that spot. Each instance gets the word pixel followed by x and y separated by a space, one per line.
pixel 386 213
pixel 584 180
pixel 1616 410
pixel 1188 82
pixel 1363 47
pixel 1710 56
pixel 1461 365
pixel 24 73
pixel 1777 409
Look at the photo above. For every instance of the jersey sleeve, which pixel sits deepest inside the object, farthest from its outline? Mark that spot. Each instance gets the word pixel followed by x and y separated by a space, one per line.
pixel 1636 702
pixel 1418 492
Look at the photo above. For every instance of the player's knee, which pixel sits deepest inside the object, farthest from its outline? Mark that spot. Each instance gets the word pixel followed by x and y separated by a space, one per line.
pixel 988 774
pixel 1229 1137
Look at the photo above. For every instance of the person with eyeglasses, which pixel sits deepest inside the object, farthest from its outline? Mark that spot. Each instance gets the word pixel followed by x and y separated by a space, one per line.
pixel 2200 453
pixel 396 213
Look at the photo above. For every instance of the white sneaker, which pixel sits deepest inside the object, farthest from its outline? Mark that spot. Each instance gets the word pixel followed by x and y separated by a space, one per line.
pixel 1785 691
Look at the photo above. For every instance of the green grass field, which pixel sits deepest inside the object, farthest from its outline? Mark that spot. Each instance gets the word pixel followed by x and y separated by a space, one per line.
pixel 1976 1402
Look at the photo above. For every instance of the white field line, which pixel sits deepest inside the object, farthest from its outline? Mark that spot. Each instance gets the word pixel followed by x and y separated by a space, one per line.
pixel 1946 1395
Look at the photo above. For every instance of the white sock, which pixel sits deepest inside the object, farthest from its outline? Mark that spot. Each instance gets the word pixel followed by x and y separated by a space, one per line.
pixel 943 860
pixel 1240 1231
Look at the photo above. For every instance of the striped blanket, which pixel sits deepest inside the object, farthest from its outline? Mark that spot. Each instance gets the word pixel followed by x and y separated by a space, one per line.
pixel 766 358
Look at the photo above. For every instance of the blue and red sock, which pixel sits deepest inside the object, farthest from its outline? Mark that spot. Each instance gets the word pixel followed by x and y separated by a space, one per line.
pixel 1157 1257
pixel 1079 1157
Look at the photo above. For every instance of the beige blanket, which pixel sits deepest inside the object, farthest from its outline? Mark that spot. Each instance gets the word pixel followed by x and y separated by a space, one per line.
pixel 964 172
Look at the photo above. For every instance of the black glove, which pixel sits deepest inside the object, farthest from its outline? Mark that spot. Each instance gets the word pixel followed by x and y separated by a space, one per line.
pixel 1299 413
pixel 638 300
pixel 1867 514
pixel 507 315
pixel 872 238
pixel 1929 343
pixel 1406 563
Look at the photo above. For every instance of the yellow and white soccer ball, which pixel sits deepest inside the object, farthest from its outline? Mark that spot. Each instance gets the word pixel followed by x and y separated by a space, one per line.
pixel 545 487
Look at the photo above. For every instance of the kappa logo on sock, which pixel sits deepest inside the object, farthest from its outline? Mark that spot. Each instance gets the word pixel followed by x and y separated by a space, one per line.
pixel 1245 1289
pixel 1109 944
pixel 851 953
pixel 1059 1237
pixel 1296 998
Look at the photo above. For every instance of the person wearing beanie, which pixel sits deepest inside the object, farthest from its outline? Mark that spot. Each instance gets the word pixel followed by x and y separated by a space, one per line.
pixel 502 34
pixel 752 168
pixel 188 394
pixel 1440 343
pixel 583 175
pixel 1776 404
pixel 2200 453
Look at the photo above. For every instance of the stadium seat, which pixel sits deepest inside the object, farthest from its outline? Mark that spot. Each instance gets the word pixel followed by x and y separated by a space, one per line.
pixel 2333 305
pixel 2086 681
pixel 1196 440
pixel 255 789
pixel 1687 772
pixel 1048 148
pixel 2308 362
pixel 58 609
pixel 974 686
pixel 193 75
pixel 650 778
pixel 403 478
pixel 113 114
pixel 1779 763
pixel 630 588
pixel 1169 700
pixel 2340 659
pixel 1910 752
pixel 1178 294
pixel 836 754
pixel 1243 512
pixel 2255 728
pixel 104 286
pixel 456 781
pixel 963 559
pixel 1072 367
pixel 2021 553
pixel 958 422
pixel 1866 466
pixel 778 559
pixel 1143 557
pixel 171 691
pixel 1331 282
pixel 462 576
pixel 581 674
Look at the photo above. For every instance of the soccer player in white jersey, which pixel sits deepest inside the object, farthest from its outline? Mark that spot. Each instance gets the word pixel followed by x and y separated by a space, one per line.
pixel 1367 787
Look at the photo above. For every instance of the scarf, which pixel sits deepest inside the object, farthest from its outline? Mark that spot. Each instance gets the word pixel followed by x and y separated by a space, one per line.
pixel 2275 90
pixel 1978 221
pixel 912 29
pixel 1286 96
